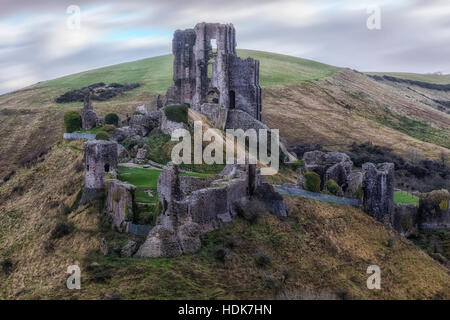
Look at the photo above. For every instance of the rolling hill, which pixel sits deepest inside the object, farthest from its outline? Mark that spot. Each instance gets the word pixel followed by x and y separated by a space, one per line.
pixel 306 100
pixel 327 248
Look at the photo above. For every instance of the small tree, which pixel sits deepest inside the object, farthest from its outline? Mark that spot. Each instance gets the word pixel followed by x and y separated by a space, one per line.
pixel 312 181
pixel 112 118
pixel 72 121
pixel 332 187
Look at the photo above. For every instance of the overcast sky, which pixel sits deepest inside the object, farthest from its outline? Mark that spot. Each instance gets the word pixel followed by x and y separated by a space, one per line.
pixel 37 43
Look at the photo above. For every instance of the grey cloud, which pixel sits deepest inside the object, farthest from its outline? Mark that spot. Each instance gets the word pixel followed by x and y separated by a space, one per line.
pixel 407 42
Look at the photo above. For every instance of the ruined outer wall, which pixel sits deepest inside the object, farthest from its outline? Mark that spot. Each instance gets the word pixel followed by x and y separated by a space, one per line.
pixel 244 81
pixel 119 203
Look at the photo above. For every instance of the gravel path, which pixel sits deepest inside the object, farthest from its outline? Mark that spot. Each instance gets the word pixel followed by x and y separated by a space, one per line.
pixel 296 192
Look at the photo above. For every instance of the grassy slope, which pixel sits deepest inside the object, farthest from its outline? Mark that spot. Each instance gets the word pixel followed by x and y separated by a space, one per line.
pixel 431 78
pixel 326 250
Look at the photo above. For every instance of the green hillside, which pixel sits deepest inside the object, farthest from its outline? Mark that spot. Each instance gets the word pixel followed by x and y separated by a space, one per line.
pixel 423 77
pixel 155 74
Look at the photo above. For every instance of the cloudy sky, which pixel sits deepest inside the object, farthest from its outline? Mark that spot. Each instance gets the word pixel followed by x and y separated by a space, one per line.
pixel 40 40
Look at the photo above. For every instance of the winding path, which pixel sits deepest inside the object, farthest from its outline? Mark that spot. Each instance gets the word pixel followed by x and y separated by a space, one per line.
pixel 296 192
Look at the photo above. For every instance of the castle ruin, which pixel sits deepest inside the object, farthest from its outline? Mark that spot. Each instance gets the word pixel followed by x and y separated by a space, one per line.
pixel 100 158
pixel 209 76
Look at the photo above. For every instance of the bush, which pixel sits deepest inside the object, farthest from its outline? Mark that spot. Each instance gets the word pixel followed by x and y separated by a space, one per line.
pixel 332 187
pixel 102 135
pixel 312 181
pixel 177 113
pixel 72 121
pixel 263 260
pixel 108 128
pixel 61 229
pixel 7 266
pixel 297 165
pixel 112 118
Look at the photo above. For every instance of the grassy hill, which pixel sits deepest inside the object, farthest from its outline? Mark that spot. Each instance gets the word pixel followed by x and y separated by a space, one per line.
pixel 423 77
pixel 326 249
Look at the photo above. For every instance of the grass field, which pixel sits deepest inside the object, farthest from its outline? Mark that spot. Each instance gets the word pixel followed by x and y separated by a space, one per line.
pixel 147 179
pixel 403 197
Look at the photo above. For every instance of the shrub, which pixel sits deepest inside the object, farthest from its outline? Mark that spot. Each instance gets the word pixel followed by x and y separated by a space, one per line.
pixel 177 113
pixel 72 121
pixel 220 253
pixel 102 135
pixel 112 118
pixel 332 187
pixel 7 266
pixel 61 229
pixel 312 181
pixel 108 128
pixel 297 165
pixel 263 260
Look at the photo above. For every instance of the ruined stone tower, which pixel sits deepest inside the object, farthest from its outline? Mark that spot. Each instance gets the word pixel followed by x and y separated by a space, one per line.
pixel 100 158
pixel 378 186
pixel 208 74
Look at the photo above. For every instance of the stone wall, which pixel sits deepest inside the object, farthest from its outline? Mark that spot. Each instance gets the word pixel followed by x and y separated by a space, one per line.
pixel 378 187
pixel 100 158
pixel 120 203
pixel 168 126
pixel 216 113
pixel 405 219
pixel 434 212
pixel 193 206
pixel 232 82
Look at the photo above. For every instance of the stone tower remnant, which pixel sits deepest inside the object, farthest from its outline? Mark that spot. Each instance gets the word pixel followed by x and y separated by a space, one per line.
pixel 209 76
pixel 100 158
pixel 88 115
pixel 378 187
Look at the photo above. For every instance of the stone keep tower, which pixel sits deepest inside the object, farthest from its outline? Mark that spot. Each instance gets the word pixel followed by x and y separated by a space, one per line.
pixel 100 158
pixel 207 71
pixel 378 186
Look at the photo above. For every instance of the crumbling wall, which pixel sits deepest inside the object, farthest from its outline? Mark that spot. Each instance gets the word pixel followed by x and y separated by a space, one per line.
pixel 120 203
pixel 100 158
pixel 193 206
pixel 329 165
pixel 405 219
pixel 434 211
pixel 88 115
pixel 378 187
pixel 207 75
